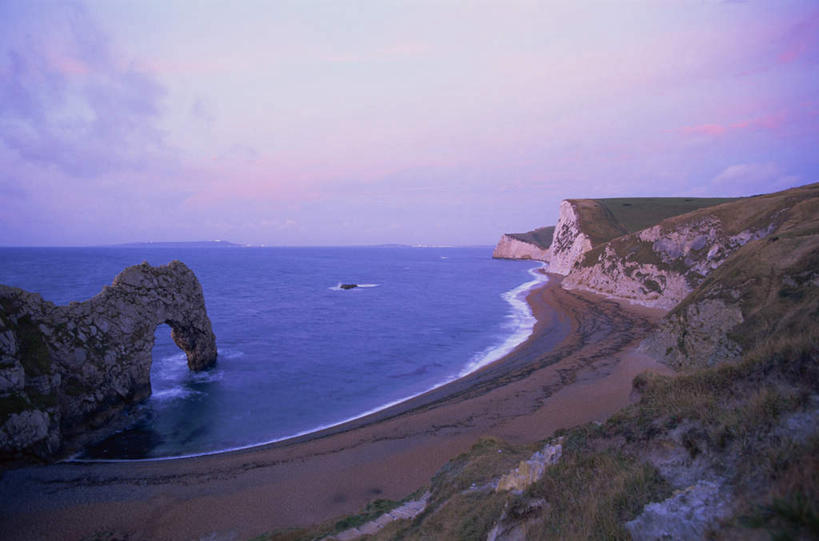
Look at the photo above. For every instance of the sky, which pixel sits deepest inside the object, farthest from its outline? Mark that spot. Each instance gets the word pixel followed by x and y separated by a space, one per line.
pixel 367 122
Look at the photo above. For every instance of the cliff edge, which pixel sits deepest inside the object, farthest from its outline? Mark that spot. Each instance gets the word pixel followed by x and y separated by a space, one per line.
pixel 66 372
pixel 531 245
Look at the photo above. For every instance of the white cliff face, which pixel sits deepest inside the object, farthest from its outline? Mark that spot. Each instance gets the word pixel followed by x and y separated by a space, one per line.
pixel 570 243
pixel 661 265
pixel 646 284
pixel 702 245
pixel 511 248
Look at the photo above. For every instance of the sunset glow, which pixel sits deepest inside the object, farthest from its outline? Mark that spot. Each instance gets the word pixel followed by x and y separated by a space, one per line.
pixel 326 123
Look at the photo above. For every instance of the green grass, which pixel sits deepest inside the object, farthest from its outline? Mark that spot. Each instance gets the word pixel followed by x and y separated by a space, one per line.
pixel 541 237
pixel 597 222
pixel 790 509
pixel 591 494
pixel 637 213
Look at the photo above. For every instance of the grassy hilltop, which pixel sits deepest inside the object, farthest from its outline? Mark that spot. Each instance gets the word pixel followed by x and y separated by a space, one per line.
pixel 635 213
pixel 540 237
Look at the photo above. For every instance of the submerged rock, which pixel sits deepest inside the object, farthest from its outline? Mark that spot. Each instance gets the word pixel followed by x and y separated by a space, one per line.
pixel 66 372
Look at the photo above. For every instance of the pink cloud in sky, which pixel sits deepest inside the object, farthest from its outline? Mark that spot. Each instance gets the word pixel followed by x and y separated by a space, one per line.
pixel 768 122
pixel 803 39
pixel 435 122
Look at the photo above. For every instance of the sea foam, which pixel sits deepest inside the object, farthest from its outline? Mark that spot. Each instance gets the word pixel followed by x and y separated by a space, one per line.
pixel 520 324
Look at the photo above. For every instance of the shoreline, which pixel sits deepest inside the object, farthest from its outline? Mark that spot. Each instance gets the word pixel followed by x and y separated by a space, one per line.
pixel 540 278
pixel 580 347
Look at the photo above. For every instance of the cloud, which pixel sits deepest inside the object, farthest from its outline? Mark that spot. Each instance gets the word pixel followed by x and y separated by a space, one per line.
pixel 66 101
pixel 801 41
pixel 769 122
pixel 752 178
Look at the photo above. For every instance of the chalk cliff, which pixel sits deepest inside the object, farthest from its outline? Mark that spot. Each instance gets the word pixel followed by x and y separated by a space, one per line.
pixel 581 225
pixel 532 245
pixel 659 266
pixel 66 372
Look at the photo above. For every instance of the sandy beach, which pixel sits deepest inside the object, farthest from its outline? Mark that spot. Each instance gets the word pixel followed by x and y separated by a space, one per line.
pixel 576 367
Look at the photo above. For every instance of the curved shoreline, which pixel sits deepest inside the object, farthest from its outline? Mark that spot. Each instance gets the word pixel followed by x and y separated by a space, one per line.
pixel 487 357
pixel 582 347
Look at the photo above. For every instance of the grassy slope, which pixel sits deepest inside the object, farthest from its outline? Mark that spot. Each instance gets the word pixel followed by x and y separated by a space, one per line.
pixel 636 213
pixel 606 219
pixel 541 237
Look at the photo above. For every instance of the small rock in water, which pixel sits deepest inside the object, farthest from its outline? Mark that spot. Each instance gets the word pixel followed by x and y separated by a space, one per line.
pixel 348 286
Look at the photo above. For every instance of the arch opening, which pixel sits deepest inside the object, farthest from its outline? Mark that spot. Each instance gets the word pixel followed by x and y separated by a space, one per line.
pixel 169 367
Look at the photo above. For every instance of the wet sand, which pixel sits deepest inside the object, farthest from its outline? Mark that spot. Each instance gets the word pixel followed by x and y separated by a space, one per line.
pixel 576 367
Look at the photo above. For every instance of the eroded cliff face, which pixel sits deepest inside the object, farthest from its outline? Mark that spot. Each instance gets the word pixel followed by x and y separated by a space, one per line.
pixel 511 248
pixel 769 288
pixel 67 371
pixel 661 265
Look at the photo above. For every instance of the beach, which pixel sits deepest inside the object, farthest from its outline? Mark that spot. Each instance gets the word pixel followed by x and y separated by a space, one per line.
pixel 576 367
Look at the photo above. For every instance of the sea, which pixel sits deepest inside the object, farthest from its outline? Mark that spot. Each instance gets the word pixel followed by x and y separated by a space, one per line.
pixel 298 353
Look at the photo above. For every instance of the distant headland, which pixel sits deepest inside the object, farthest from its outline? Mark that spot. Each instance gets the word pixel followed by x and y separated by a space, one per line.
pixel 180 244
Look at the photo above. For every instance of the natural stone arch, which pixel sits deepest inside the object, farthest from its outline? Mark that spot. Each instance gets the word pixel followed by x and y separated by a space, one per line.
pixel 70 370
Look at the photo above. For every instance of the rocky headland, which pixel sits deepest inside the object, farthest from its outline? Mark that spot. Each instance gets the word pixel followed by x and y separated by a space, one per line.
pixel 531 245
pixel 68 372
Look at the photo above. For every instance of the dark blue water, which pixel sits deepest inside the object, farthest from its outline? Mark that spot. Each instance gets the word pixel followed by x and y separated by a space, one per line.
pixel 295 351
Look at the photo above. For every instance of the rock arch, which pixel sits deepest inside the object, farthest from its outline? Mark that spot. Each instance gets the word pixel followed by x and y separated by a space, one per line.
pixel 67 372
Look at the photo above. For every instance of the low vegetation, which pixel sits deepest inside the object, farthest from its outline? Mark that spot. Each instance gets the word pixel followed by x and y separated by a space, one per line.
pixel 636 213
pixel 541 237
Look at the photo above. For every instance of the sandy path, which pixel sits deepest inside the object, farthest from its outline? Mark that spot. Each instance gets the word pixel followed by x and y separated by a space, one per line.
pixel 576 367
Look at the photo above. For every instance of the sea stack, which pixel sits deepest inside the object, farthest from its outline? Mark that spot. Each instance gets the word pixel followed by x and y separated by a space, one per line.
pixel 67 372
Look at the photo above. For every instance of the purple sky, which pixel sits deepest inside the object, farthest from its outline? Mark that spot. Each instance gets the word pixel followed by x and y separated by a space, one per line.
pixel 325 123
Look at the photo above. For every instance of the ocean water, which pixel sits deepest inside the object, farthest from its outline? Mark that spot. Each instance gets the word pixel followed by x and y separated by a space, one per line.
pixel 297 352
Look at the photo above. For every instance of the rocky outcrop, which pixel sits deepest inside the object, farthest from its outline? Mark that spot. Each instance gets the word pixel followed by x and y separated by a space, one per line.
pixel 407 511
pixel 532 245
pixel 67 371
pixel 768 288
pixel 531 470
pixel 688 514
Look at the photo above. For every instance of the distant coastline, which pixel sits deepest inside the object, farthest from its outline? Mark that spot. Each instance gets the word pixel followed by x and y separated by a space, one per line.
pixel 178 244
